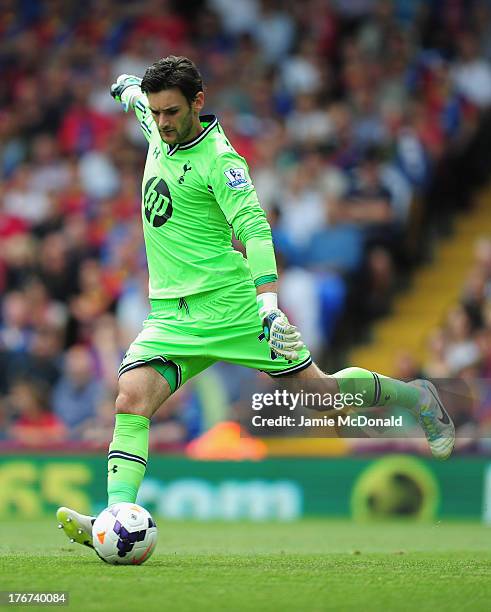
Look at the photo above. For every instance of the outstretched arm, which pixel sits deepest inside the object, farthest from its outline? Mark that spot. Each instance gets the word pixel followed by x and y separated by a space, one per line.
pixel 127 91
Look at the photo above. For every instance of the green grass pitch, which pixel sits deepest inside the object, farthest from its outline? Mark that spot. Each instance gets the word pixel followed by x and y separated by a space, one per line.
pixel 310 565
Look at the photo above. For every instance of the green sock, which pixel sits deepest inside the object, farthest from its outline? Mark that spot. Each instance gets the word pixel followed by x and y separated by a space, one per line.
pixel 127 458
pixel 377 390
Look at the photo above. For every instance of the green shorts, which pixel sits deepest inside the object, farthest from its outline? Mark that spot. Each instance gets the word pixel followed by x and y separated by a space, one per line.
pixel 195 332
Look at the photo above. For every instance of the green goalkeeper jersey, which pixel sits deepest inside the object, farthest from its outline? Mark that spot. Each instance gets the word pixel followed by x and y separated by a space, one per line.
pixel 193 196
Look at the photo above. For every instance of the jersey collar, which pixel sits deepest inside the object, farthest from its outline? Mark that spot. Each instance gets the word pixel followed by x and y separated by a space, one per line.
pixel 212 122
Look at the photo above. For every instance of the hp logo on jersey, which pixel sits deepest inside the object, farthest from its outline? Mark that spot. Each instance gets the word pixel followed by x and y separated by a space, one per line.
pixel 157 201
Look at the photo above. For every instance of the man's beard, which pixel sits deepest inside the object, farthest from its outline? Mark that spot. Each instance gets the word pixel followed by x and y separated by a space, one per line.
pixel 184 133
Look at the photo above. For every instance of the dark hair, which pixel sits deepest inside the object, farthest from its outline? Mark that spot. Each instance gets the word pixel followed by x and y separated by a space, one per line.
pixel 170 72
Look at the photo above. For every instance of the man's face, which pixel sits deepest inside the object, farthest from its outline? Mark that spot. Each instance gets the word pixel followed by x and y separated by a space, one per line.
pixel 177 120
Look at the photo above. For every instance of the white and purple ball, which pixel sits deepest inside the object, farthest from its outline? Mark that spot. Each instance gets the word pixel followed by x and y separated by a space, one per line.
pixel 124 534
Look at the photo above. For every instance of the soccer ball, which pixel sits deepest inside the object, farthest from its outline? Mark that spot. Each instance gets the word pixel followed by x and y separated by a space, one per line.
pixel 124 534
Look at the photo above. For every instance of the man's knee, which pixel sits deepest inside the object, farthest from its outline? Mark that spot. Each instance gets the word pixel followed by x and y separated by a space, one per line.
pixel 131 402
pixel 141 391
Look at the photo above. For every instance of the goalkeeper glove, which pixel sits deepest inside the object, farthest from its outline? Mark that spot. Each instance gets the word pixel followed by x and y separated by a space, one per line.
pixel 283 338
pixel 125 89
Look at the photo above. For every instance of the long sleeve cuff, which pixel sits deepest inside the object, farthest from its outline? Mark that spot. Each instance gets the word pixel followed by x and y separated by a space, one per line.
pixel 261 259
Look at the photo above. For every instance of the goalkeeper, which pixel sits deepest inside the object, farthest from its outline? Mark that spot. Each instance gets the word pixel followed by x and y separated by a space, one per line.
pixel 208 302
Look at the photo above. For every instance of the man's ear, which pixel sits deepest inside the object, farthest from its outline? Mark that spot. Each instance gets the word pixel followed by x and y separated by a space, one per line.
pixel 198 102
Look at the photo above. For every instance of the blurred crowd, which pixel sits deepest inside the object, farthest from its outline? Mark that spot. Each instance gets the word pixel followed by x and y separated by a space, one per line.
pixel 458 355
pixel 358 118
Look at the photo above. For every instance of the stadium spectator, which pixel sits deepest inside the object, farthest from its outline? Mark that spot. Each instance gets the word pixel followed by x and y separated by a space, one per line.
pixel 472 74
pixel 15 329
pixel 41 361
pixel 23 200
pixel 33 422
pixel 78 392
pixel 368 201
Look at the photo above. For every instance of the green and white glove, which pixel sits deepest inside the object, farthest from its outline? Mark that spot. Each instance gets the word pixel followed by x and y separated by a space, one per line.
pixel 126 88
pixel 283 338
